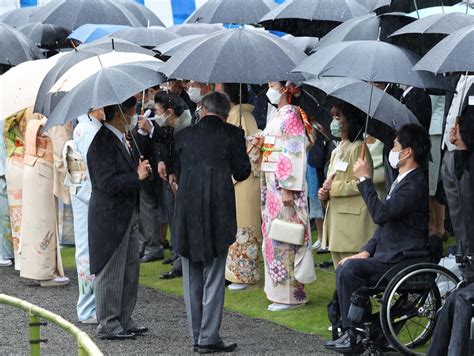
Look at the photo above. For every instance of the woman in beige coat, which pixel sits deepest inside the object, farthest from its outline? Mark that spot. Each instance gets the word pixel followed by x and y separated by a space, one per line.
pixel 347 225
pixel 242 267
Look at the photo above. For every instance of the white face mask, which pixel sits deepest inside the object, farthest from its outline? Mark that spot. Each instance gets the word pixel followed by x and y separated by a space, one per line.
pixel 274 96
pixel 195 94
pixel 161 119
pixel 394 158
pixel 133 122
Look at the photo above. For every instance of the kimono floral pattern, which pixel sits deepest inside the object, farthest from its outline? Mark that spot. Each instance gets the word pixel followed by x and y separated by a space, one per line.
pixel 280 283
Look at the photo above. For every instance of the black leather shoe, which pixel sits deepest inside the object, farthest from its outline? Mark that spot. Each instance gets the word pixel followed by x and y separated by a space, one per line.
pixel 138 330
pixel 218 347
pixel 168 261
pixel 344 346
pixel 195 348
pixel 171 275
pixel 149 258
pixel 332 343
pixel 119 336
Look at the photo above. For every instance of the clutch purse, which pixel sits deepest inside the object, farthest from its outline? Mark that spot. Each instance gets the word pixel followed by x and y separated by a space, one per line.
pixel 287 232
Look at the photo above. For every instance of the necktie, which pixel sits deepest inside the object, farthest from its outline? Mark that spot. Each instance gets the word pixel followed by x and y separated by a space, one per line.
pixel 124 141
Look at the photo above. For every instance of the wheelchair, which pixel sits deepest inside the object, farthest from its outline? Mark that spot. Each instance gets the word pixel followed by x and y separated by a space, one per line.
pixel 399 310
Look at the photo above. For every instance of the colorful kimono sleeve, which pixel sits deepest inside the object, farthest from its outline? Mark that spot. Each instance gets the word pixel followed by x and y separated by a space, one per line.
pixel 291 167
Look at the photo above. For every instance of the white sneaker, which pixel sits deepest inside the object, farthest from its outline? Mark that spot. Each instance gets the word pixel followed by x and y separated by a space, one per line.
pixel 92 321
pixel 237 286
pixel 55 282
pixel 6 263
pixel 316 245
pixel 281 307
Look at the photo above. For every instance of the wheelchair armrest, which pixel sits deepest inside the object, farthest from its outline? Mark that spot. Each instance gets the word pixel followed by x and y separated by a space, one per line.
pixel 416 254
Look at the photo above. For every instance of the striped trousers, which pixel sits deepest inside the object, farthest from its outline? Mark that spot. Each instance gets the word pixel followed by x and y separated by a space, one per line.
pixel 116 285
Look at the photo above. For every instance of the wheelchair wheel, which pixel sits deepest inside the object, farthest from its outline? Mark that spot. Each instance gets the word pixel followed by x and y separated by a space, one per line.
pixel 410 304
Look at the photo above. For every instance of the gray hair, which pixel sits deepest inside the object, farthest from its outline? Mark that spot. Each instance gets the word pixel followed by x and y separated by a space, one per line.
pixel 217 103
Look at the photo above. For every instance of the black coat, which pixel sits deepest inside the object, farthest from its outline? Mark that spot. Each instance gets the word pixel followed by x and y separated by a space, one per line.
pixel 402 218
pixel 419 103
pixel 207 156
pixel 115 190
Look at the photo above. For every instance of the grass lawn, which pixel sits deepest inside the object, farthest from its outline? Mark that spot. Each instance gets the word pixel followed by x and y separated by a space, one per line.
pixel 311 318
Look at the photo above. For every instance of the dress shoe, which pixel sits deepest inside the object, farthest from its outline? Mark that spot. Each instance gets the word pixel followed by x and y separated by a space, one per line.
pixel 195 348
pixel 138 330
pixel 238 286
pixel 168 261
pixel 150 258
pixel 344 346
pixel 221 346
pixel 119 336
pixel 332 343
pixel 90 321
pixel 171 275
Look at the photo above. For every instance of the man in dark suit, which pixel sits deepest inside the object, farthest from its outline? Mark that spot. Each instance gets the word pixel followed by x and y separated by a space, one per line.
pixel 402 218
pixel 116 178
pixel 207 156
pixel 419 103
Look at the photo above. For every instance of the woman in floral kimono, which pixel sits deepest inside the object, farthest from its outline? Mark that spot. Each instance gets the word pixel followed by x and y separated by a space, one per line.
pixel 6 247
pixel 284 197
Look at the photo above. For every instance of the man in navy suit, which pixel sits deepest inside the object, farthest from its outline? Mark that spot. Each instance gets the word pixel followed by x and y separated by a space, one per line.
pixel 402 220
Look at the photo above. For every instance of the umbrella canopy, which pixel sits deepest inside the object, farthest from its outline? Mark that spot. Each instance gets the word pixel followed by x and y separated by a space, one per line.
pixel 90 32
pixel 231 11
pixel 370 61
pixel 148 37
pixel 20 84
pixel 436 10
pixel 305 44
pixel 169 48
pixel 15 47
pixel 18 17
pixel 188 29
pixel 235 56
pixel 422 35
pixel 452 54
pixel 142 13
pixel 384 6
pixel 365 28
pixel 44 100
pixel 74 13
pixel 311 17
pixel 109 86
pixel 45 35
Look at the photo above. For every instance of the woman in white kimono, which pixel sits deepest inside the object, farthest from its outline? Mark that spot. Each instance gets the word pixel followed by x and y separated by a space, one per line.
pixel 288 267
pixel 6 246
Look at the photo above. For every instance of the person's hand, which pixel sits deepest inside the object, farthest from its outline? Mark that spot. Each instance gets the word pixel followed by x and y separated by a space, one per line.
pixel 288 197
pixel 459 143
pixel 145 125
pixel 327 185
pixel 360 255
pixel 162 171
pixel 453 135
pixel 323 194
pixel 257 142
pixel 172 179
pixel 361 168
pixel 142 170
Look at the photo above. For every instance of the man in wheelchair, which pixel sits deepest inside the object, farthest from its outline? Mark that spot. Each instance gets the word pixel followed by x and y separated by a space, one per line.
pixel 402 232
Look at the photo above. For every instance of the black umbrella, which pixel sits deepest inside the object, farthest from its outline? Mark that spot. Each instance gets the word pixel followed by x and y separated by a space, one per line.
pixel 235 56
pixel 313 18
pixel 423 34
pixel 231 11
pixel 169 48
pixel 142 13
pixel 74 13
pixel 364 28
pixel 111 85
pixel 15 47
pixel 45 35
pixel 45 100
pixel 148 37
pixel 384 6
pixel 188 29
pixel 18 17
pixel 370 61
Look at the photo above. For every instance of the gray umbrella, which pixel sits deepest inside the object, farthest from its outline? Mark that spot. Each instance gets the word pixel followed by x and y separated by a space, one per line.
pixel 365 28
pixel 145 36
pixel 142 13
pixel 384 6
pixel 452 54
pixel 18 17
pixel 15 47
pixel 423 34
pixel 305 44
pixel 169 48
pixel 188 29
pixel 231 11
pixel 74 13
pixel 370 61
pixel 311 17
pixel 45 100
pixel 109 86
pixel 235 56
pixel 45 35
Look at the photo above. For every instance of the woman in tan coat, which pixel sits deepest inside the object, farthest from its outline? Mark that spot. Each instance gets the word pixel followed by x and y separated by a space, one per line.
pixel 347 225
pixel 242 267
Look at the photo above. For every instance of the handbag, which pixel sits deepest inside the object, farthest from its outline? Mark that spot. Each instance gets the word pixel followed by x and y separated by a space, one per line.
pixel 287 232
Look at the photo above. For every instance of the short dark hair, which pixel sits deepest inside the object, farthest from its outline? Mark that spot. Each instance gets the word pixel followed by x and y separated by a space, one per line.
pixel 466 128
pixel 170 101
pixel 355 119
pixel 111 110
pixel 217 102
pixel 417 138
pixel 233 92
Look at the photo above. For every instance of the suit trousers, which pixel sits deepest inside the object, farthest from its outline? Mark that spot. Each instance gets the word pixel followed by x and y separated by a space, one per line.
pixel 117 285
pixel 352 275
pixel 150 224
pixel 204 290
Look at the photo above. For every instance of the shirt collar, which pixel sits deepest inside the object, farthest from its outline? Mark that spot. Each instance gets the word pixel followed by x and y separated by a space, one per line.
pixel 115 131
pixel 401 176
pixel 407 90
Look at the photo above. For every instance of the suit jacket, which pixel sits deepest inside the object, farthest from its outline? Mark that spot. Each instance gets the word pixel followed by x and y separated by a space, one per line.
pixel 402 218
pixel 115 190
pixel 419 103
pixel 207 156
